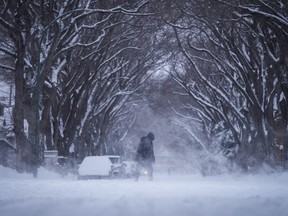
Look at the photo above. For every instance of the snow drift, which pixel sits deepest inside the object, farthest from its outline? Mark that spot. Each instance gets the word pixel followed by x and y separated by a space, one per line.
pixel 169 195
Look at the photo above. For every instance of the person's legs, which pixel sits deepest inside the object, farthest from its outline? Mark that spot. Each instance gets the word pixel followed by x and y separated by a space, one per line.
pixel 138 170
pixel 150 172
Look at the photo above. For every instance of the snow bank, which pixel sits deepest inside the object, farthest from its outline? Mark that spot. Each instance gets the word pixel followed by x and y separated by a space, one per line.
pixel 169 195
pixel 7 173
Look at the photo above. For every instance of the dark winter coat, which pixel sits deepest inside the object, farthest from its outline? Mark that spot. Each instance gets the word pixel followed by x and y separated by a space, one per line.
pixel 145 151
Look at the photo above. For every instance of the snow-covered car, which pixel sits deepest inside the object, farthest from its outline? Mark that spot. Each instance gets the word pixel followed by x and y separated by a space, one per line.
pixel 99 167
pixel 128 169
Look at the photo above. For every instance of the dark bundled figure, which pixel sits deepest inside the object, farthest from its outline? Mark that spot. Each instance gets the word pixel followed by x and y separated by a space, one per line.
pixel 145 157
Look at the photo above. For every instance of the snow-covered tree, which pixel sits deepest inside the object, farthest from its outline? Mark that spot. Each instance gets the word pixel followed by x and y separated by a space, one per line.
pixel 76 64
pixel 231 72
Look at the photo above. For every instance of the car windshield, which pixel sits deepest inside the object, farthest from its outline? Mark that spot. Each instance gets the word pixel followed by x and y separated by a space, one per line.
pixel 114 160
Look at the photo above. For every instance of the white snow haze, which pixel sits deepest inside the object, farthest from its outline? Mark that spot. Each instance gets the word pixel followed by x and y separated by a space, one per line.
pixel 169 195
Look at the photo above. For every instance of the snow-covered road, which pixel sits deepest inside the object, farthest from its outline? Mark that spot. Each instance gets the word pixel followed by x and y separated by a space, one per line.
pixel 51 195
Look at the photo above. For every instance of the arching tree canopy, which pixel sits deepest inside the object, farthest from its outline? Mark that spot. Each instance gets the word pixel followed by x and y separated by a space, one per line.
pixel 83 69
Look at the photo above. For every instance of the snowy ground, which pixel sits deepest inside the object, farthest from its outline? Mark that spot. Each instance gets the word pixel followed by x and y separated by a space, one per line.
pixel 52 195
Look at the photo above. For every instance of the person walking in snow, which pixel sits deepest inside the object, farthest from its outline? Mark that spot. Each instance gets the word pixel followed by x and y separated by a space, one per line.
pixel 145 157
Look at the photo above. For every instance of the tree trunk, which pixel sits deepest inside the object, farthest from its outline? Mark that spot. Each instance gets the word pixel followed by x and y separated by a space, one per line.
pixel 21 143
